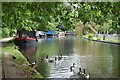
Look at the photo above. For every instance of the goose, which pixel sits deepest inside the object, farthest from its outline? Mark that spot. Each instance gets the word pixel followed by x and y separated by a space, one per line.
pixel 13 57
pixel 16 47
pixel 51 61
pixel 55 58
pixel 72 68
pixel 80 72
pixel 60 57
pixel 47 57
pixel 85 75
pixel 42 59
pixel 33 64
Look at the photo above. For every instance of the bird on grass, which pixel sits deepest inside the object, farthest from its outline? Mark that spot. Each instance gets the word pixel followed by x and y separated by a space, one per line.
pixel 47 57
pixel 32 64
pixel 13 57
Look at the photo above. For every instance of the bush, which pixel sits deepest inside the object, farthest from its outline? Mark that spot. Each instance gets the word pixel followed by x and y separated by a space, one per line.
pixel 98 38
pixel 12 32
pixel 5 32
pixel 11 41
pixel 0 33
pixel 90 36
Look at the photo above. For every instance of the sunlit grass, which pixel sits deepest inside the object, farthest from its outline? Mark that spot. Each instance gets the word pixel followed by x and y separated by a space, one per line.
pixel 0 55
pixel 112 40
pixel 89 36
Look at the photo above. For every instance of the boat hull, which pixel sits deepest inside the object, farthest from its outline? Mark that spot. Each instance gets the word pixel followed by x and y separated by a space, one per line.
pixel 25 41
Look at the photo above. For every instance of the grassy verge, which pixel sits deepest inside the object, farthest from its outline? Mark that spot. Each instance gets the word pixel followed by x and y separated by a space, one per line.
pixel 91 36
pixel 0 51
pixel 0 55
pixel 21 60
pixel 112 40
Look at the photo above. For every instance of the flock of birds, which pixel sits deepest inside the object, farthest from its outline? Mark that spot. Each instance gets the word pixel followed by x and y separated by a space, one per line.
pixel 81 73
pixel 57 58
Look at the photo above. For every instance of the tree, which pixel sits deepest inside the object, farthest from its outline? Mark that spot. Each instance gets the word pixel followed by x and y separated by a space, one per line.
pixel 47 15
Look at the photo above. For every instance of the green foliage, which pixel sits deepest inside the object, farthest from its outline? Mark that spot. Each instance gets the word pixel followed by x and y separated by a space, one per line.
pixel 98 38
pixel 5 32
pixel 12 32
pixel 0 33
pixel 46 15
pixel 90 36
pixel 10 41
pixel 106 27
pixel 0 55
pixel 104 16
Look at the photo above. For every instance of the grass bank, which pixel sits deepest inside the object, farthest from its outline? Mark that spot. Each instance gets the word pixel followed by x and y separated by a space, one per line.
pixel 91 37
pixel 0 55
pixel 20 60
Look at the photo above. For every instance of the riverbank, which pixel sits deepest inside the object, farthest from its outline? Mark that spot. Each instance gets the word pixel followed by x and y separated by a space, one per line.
pixel 6 39
pixel 17 67
pixel 110 41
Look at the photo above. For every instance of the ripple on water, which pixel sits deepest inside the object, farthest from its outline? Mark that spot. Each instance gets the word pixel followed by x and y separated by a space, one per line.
pixel 63 69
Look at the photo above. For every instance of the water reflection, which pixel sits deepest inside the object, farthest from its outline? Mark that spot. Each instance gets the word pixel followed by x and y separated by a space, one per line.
pixel 65 45
pixel 29 51
pixel 99 59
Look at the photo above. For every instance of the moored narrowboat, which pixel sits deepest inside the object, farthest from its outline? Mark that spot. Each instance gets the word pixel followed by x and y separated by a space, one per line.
pixel 25 36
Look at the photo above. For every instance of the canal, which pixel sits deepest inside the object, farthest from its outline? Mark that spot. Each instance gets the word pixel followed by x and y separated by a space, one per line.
pixel 100 60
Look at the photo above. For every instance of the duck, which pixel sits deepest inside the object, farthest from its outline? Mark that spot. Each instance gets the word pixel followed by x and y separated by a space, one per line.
pixel 72 68
pixel 85 75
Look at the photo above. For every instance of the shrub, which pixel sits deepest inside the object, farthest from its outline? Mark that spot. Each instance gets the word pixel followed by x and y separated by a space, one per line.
pixel 5 32
pixel 98 38
pixel 12 31
pixel 90 36
pixel 0 33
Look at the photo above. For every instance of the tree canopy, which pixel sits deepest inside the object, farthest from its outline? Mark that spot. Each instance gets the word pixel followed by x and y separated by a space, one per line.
pixel 47 15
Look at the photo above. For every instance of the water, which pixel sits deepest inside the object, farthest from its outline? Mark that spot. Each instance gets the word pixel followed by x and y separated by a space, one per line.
pixel 99 59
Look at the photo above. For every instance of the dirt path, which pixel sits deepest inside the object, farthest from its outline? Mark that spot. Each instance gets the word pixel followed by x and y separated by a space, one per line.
pixel 0 68
pixel 3 42
pixel 11 69
pixel 5 39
